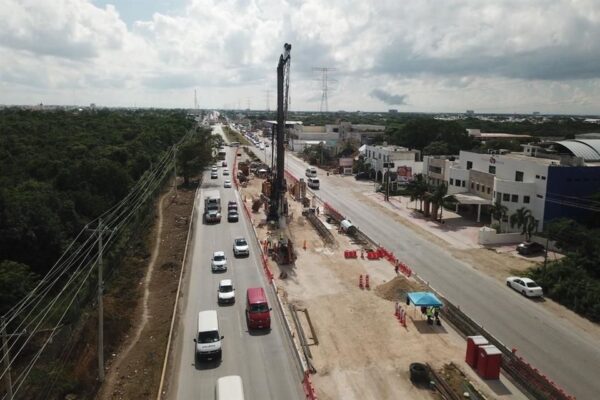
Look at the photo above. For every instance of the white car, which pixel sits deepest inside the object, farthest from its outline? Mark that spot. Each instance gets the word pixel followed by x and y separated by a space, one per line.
pixel 218 262
pixel 225 171
pixel 525 286
pixel 214 169
pixel 227 183
pixel 226 293
pixel 240 247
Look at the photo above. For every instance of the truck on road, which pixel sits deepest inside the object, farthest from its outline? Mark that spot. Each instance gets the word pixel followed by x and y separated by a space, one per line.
pixel 212 206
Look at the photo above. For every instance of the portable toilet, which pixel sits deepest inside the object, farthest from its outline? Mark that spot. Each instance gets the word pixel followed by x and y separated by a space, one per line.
pixel 489 362
pixel 473 343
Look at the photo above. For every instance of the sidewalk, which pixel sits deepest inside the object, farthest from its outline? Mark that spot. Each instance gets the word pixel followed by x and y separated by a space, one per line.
pixel 455 230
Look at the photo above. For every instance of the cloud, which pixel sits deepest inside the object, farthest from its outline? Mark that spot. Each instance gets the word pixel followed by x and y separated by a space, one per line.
pixel 388 98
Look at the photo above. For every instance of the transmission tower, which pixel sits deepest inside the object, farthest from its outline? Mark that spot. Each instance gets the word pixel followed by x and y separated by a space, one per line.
pixel 268 97
pixel 325 81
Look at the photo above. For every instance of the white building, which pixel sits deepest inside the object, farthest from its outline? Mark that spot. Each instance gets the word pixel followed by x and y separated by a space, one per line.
pixel 376 156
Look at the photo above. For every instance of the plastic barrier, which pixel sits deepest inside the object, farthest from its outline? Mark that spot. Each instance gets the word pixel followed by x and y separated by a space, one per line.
pixel 367 282
pixel 350 254
pixel 309 389
pixel 360 282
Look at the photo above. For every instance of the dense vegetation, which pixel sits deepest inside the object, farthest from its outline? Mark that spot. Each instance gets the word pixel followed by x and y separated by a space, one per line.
pixel 61 169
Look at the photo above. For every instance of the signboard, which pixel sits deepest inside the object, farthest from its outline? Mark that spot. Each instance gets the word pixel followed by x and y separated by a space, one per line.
pixel 405 174
pixel 346 162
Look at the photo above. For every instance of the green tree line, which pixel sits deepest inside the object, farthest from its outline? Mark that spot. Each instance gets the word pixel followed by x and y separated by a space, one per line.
pixel 61 169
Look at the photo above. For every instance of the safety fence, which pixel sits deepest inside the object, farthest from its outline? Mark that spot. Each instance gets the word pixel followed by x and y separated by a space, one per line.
pixel 309 389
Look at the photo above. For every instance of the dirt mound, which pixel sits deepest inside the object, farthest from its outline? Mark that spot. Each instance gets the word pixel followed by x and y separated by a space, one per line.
pixel 396 289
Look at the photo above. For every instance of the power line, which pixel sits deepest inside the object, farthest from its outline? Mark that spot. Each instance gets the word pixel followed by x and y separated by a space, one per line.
pixel 325 88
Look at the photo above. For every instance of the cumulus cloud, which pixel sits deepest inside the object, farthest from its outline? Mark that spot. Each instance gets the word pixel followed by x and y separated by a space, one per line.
pixel 388 98
pixel 450 56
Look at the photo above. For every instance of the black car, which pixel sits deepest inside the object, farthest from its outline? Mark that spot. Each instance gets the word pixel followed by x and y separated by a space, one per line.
pixel 232 216
pixel 362 176
pixel 529 248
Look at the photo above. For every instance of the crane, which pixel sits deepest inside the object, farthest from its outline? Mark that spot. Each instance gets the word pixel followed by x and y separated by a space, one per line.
pixel 278 206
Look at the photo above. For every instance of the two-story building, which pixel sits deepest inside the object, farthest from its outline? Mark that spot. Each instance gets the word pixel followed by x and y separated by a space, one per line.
pixel 545 178
pixel 406 161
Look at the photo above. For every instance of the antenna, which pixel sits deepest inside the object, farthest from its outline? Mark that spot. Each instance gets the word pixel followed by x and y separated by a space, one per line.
pixel 324 86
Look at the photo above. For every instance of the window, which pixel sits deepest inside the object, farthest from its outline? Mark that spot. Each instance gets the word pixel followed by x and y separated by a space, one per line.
pixel 477 186
pixel 469 164
pixel 515 198
pixel 543 178
pixel 505 196
pixel 539 196
pixel 451 181
pixel 492 169
pixel 519 176
pixel 380 156
pixel 472 185
pixel 488 190
pixel 464 183
pixel 537 177
pixel 526 199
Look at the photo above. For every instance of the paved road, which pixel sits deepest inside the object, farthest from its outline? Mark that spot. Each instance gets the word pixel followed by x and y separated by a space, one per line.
pixel 264 361
pixel 566 354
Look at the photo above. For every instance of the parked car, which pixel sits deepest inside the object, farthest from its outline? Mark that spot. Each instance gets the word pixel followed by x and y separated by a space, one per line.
pixel 214 175
pixel 240 247
pixel 224 163
pixel 214 169
pixel 225 172
pixel 226 293
pixel 232 205
pixel 218 262
pixel 362 176
pixel 529 248
pixel 525 286
pixel 227 183
pixel 233 216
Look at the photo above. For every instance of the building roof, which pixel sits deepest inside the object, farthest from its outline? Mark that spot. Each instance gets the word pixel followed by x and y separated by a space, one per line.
pixel 502 136
pixel 588 149
pixel 470 198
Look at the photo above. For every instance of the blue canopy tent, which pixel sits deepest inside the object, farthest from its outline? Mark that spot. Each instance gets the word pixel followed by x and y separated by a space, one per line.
pixel 424 299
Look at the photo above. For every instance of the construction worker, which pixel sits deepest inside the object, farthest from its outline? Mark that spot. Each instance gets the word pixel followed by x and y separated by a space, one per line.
pixel 429 315
pixel 396 268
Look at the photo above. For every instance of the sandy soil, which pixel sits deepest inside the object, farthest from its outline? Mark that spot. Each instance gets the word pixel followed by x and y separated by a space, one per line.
pixel 134 370
pixel 363 352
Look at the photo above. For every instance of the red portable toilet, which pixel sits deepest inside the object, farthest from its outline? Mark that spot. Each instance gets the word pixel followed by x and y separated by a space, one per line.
pixel 473 343
pixel 489 361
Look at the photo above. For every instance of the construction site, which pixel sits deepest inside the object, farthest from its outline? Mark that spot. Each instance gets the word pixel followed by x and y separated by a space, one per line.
pixel 344 299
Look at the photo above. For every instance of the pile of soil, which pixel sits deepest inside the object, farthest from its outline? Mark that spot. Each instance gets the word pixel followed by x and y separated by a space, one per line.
pixel 396 289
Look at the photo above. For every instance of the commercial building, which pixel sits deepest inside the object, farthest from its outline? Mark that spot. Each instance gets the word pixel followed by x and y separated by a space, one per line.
pixel 551 179
pixel 407 162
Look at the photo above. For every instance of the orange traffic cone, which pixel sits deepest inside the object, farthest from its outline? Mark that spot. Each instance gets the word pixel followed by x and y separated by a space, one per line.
pixel 360 282
pixel 367 282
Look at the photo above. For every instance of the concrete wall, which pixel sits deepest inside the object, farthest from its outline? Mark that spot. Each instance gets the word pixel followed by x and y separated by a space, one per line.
pixel 488 236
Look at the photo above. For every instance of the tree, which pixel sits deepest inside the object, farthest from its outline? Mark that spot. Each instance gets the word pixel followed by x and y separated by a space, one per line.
pixel 418 188
pixel 523 219
pixel 436 148
pixel 439 198
pixel 195 155
pixel 16 281
pixel 498 212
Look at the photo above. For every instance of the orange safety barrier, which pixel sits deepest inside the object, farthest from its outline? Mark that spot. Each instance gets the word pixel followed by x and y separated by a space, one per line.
pixel 309 389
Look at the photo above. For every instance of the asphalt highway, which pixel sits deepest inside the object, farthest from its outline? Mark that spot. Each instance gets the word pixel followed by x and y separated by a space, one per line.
pixel 265 361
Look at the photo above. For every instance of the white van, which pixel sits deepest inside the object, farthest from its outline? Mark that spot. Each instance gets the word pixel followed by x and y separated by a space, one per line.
pixel 229 388
pixel 313 183
pixel 209 340
pixel 311 172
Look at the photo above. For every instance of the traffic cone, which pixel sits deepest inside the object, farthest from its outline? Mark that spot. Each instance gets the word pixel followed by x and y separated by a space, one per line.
pixel 367 281
pixel 360 282
pixel 362 254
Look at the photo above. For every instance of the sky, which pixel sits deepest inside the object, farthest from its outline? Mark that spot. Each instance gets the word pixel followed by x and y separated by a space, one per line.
pixel 505 56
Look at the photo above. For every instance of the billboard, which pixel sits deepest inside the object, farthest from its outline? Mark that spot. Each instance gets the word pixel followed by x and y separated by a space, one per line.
pixel 346 162
pixel 405 174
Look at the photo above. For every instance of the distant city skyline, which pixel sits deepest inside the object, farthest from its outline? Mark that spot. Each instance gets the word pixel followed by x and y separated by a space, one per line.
pixel 487 56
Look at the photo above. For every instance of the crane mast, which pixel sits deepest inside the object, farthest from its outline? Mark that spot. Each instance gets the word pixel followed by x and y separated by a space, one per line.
pixel 278 207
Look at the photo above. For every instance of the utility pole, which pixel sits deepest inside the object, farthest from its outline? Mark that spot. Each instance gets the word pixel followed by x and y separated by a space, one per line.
pixel 175 169
pixel 100 231
pixel 7 379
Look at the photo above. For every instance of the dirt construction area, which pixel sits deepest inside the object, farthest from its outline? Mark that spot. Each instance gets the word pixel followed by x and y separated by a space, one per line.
pixel 359 349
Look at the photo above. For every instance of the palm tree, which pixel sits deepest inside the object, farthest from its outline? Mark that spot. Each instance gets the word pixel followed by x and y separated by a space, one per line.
pixel 524 220
pixel 439 198
pixel 498 212
pixel 418 189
